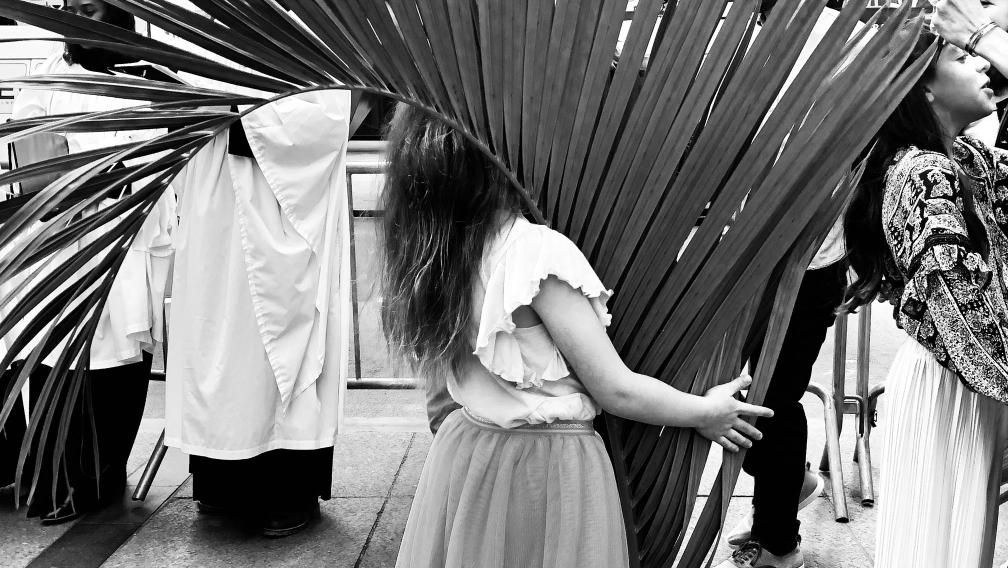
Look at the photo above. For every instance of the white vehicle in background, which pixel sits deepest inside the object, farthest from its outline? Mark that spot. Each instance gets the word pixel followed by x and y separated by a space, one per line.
pixel 19 58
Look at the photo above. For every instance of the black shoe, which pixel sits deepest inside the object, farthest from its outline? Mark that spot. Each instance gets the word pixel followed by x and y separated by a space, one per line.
pixel 63 514
pixel 285 523
pixel 211 509
pixel 80 504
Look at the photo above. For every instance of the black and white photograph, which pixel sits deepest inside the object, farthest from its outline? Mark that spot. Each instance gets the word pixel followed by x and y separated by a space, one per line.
pixel 503 283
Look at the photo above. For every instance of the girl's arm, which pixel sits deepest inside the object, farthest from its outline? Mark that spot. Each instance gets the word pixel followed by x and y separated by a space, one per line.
pixel 948 278
pixel 956 20
pixel 576 330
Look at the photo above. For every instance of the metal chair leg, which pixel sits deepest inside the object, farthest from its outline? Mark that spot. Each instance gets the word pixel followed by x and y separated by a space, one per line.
pixel 865 415
pixel 839 376
pixel 864 465
pixel 153 464
pixel 833 452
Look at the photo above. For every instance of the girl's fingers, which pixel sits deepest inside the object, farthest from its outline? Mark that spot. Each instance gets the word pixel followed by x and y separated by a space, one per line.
pixel 753 410
pixel 741 382
pixel 726 444
pixel 738 439
pixel 748 429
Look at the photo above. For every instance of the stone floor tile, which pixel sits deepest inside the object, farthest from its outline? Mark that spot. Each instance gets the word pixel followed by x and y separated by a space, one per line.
pixel 83 548
pixel 185 490
pixel 383 547
pixel 21 539
pixel 129 512
pixel 365 463
pixel 178 537
pixel 145 442
pixel 409 475
pixel 396 403
pixel 155 407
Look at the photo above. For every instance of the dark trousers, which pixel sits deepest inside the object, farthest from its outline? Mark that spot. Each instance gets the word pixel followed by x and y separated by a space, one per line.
pixel 274 481
pixel 439 403
pixel 114 400
pixel 777 462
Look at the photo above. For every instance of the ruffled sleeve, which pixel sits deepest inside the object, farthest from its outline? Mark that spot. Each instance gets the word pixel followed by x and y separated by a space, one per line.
pixel 947 277
pixel 512 274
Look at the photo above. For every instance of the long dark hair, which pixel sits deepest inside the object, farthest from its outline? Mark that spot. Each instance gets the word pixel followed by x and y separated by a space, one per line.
pixel 913 123
pixel 443 199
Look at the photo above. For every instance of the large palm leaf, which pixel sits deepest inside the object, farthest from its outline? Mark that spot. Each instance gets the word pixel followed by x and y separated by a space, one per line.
pixel 646 166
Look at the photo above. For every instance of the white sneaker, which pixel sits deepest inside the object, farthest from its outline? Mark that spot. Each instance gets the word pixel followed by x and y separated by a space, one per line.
pixel 742 532
pixel 812 488
pixel 752 555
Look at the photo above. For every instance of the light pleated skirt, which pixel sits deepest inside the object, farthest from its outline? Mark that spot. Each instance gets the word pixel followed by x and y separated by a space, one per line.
pixel 492 497
pixel 940 469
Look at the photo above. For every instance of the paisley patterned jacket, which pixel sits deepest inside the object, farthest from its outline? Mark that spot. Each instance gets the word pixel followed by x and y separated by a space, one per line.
pixel 953 301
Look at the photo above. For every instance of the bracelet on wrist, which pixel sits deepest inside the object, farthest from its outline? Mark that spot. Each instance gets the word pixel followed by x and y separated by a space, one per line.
pixel 977 36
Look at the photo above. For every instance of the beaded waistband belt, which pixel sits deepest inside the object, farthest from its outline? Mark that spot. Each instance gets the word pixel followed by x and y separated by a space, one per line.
pixel 561 425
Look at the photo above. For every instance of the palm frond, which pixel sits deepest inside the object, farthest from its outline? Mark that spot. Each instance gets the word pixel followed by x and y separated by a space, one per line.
pixel 693 184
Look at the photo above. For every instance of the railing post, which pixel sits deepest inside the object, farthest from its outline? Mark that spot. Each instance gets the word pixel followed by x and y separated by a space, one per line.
pixel 863 449
pixel 353 275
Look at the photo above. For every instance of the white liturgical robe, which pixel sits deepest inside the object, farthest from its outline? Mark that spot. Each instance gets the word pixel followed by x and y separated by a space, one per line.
pixel 131 320
pixel 260 314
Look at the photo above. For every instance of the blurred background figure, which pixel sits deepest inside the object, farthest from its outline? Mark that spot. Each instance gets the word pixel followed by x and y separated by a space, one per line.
pixel 131 321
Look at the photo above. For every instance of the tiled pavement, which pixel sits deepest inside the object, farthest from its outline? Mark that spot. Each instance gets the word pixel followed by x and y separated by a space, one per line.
pixel 378 463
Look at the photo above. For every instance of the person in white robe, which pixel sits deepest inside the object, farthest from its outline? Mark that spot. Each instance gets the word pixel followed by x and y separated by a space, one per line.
pixel 260 311
pixel 130 324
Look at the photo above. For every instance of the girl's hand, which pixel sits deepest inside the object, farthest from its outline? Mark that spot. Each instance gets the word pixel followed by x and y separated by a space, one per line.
pixel 956 20
pixel 723 423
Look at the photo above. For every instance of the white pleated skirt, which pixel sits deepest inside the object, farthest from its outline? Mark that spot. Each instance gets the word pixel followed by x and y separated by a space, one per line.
pixel 489 497
pixel 940 468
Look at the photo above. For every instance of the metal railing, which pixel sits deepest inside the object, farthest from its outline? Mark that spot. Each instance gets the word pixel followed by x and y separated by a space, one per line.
pixel 862 405
pixel 368 167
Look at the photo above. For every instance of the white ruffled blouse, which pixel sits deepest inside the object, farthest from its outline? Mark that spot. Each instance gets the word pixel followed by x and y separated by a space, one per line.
pixel 517 375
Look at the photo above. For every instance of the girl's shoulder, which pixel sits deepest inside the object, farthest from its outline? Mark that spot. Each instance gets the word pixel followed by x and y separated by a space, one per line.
pixel 912 160
pixel 522 236
pixel 975 157
pixel 912 164
pixel 526 253
pixel 914 170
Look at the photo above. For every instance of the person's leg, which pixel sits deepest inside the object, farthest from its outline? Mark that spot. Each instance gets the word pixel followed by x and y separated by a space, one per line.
pixel 44 501
pixel 108 412
pixel 777 462
pixel 224 486
pixel 118 397
pixel 280 487
pixel 302 477
pixel 13 431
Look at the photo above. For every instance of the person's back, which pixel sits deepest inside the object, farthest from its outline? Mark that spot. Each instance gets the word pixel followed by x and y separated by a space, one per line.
pixel 516 374
pixel 260 302
pixel 511 317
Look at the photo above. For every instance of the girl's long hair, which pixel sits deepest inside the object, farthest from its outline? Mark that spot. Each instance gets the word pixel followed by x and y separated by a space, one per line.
pixel 913 123
pixel 443 200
